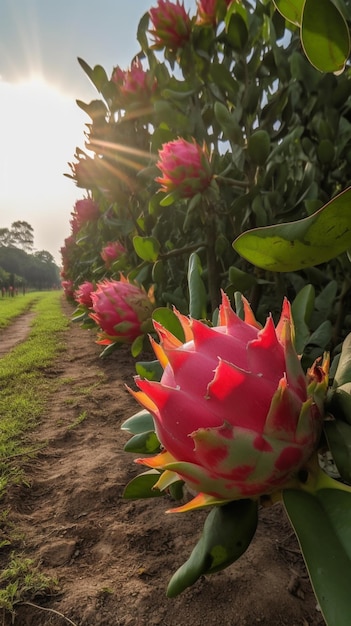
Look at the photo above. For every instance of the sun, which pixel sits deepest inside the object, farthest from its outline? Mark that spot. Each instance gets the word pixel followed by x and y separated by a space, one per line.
pixel 40 127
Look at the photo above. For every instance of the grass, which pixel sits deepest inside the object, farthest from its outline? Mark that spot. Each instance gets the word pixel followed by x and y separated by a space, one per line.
pixel 11 308
pixel 23 389
pixel 24 393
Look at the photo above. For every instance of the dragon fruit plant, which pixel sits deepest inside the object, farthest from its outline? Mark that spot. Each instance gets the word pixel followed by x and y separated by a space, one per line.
pixel 122 310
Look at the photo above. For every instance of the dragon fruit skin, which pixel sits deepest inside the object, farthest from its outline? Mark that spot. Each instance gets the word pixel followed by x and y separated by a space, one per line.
pixel 234 411
pixel 121 309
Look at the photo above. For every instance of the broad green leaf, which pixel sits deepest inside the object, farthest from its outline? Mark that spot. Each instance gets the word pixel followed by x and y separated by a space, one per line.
pixel 325 36
pixel 143 443
pixel 147 248
pixel 151 370
pixel 170 321
pixel 290 9
pixel 338 434
pixel 140 422
pixel 237 33
pixel 142 486
pixel 301 244
pixel 327 552
pixel 197 291
pixel 99 77
pixel 241 280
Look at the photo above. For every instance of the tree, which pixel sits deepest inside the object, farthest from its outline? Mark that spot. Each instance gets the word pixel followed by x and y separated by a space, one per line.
pixel 5 237
pixel 44 256
pixel 21 235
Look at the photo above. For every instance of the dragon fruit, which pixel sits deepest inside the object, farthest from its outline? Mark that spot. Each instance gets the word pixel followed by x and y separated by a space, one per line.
pixel 185 168
pixel 122 310
pixel 234 411
pixel 111 252
pixel 172 25
pixel 82 295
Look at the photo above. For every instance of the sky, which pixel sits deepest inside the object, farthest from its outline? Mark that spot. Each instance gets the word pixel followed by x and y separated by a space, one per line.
pixel 40 80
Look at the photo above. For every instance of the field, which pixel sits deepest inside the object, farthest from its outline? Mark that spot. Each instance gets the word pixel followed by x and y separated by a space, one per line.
pixel 73 550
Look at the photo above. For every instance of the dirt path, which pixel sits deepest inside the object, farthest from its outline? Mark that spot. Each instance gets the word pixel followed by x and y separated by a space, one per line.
pixel 113 558
pixel 18 332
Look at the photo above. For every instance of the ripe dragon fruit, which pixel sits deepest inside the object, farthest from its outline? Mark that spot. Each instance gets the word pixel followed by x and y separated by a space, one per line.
pixel 82 295
pixel 185 168
pixel 111 252
pixel 234 411
pixel 122 310
pixel 172 25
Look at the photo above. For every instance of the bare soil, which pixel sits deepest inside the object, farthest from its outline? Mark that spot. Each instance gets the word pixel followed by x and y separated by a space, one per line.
pixel 113 558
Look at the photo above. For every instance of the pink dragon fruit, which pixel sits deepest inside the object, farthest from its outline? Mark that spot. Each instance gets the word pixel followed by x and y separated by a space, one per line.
pixel 111 252
pixel 82 295
pixel 122 310
pixel 134 83
pixel 172 25
pixel 234 411
pixel 185 168
pixel 68 289
pixel 85 210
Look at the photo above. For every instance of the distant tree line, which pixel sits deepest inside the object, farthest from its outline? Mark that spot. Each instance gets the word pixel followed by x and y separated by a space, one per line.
pixel 19 265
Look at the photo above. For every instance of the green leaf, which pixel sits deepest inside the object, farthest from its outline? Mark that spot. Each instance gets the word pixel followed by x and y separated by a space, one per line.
pixel 242 281
pixel 86 68
pixel 137 345
pixel 170 321
pixel 143 443
pixel 227 533
pixel 141 32
pixel 302 309
pixel 339 403
pixel 147 248
pixel 237 33
pixel 169 199
pixel 197 291
pixel 325 36
pixel 338 435
pixel 151 370
pixel 290 9
pixel 228 123
pixel 304 243
pixel 327 552
pixel 142 486
pixel 343 372
pixel 140 422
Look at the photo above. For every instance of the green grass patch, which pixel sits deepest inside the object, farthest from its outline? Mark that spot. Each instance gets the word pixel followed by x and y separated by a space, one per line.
pixel 11 308
pixel 24 391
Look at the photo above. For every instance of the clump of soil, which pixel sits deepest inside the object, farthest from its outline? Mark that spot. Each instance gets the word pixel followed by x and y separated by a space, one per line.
pixel 113 558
